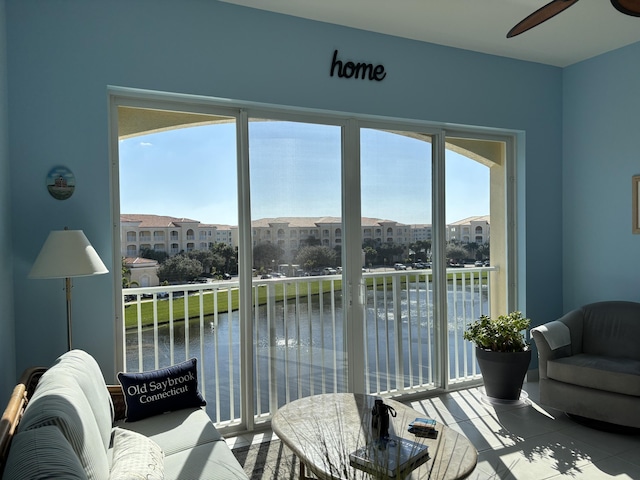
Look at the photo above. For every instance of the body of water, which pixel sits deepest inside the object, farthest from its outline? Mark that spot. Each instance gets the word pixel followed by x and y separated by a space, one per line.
pixel 299 347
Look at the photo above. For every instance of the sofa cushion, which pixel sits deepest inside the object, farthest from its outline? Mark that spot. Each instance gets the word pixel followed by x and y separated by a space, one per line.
pixel 61 402
pixel 212 461
pixel 176 431
pixel 135 457
pixel 612 374
pixel 85 370
pixel 159 391
pixel 41 454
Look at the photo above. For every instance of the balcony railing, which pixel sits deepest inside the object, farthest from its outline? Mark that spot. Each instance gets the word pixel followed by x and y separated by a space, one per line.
pixel 298 337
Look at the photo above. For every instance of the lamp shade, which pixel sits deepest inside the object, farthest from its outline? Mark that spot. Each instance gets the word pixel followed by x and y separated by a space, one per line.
pixel 67 253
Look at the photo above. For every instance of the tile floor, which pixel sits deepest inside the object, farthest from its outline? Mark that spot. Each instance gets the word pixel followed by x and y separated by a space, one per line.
pixel 525 441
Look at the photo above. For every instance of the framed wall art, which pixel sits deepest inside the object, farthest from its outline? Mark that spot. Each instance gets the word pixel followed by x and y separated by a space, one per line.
pixel 61 182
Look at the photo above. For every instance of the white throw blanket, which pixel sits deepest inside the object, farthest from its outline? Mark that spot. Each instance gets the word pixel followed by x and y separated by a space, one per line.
pixel 555 333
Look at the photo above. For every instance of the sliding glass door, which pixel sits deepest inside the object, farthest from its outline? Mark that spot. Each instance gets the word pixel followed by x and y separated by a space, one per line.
pixel 296 232
pixel 335 254
pixel 396 225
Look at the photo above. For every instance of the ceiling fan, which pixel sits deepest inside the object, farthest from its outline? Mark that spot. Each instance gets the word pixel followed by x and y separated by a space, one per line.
pixel 628 7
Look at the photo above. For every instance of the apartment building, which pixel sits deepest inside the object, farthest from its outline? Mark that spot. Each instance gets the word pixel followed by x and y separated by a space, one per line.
pixel 168 234
pixel 175 235
pixel 469 230
pixel 421 232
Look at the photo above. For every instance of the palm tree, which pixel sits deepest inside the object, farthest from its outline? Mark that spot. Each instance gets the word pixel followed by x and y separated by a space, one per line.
pixel 472 248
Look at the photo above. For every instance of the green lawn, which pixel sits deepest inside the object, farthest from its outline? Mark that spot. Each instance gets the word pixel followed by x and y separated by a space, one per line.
pixel 227 302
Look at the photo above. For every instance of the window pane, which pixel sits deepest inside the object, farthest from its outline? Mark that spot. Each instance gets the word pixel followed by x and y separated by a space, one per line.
pixel 178 198
pixel 296 224
pixel 396 232
pixel 467 236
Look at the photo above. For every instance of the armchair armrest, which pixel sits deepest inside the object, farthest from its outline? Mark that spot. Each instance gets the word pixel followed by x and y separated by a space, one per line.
pixel 119 405
pixel 556 334
pixel 553 340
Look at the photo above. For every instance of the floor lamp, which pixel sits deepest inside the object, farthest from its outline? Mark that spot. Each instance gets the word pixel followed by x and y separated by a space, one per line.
pixel 67 254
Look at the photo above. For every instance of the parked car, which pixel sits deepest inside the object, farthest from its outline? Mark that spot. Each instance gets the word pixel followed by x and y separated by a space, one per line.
pixel 478 263
pixel 400 266
pixel 329 271
pixel 421 265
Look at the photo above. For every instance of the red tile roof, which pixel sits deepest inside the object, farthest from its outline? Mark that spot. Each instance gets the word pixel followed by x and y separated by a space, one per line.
pixel 149 221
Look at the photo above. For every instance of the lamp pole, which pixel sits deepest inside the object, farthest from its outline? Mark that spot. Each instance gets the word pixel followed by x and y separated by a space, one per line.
pixel 68 295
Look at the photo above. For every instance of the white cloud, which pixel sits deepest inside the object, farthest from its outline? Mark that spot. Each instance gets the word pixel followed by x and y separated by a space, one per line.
pixel 146 144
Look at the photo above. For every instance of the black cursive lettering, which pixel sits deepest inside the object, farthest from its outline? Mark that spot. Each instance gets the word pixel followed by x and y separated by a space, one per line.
pixel 356 70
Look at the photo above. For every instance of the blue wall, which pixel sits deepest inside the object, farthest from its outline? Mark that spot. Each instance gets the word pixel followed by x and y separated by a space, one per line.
pixel 62 55
pixel 601 153
pixel 7 351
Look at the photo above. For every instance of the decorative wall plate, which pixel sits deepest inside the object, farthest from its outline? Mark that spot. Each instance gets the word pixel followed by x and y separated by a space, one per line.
pixel 61 182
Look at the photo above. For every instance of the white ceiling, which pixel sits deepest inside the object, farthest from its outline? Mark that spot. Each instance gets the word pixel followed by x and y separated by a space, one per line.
pixel 587 29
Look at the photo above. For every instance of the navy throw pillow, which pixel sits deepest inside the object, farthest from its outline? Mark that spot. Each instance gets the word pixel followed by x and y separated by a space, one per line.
pixel 151 393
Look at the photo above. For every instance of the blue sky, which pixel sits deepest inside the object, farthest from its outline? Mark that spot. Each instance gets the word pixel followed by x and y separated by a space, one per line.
pixel 295 172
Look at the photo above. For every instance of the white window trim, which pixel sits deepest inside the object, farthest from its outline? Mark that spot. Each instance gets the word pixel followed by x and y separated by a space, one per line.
pixel 350 123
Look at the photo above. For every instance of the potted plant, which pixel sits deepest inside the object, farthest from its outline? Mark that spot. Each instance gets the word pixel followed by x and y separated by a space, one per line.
pixel 502 352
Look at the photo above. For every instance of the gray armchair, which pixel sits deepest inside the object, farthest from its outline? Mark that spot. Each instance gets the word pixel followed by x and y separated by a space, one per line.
pixel 589 362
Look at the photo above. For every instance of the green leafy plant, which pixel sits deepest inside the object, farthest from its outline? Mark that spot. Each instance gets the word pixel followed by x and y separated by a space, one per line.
pixel 502 334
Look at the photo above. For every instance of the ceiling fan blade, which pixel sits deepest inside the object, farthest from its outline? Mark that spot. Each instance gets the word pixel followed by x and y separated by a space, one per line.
pixel 545 13
pixel 628 7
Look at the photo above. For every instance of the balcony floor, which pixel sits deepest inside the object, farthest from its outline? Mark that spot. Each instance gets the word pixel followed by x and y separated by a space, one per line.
pixel 523 441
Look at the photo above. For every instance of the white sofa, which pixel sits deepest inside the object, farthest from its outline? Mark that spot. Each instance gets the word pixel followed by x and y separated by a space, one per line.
pixel 70 429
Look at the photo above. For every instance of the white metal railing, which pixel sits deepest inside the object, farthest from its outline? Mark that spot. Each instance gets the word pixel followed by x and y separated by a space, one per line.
pixel 298 335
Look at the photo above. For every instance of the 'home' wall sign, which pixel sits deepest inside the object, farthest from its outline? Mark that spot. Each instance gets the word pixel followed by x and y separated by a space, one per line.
pixel 356 70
